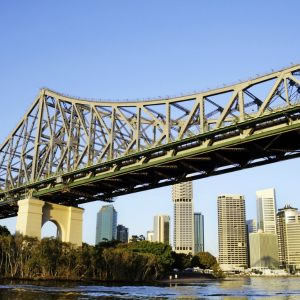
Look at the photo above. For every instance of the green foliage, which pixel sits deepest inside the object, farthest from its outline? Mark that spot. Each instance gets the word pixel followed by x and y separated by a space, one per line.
pixel 217 272
pixel 162 252
pixel 108 244
pixel 203 260
pixel 24 257
pixel 181 260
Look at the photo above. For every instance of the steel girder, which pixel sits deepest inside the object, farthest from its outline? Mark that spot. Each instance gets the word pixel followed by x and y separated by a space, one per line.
pixel 72 151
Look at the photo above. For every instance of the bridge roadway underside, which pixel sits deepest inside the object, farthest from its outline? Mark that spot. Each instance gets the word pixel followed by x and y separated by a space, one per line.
pixel 268 139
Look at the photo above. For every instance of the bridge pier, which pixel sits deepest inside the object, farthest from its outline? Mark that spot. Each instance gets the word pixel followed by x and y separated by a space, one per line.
pixel 34 213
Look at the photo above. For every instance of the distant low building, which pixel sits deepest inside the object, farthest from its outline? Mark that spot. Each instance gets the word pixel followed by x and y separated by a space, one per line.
pixel 150 236
pixel 263 250
pixel 251 227
pixel 122 233
pixel 137 238
pixel 162 229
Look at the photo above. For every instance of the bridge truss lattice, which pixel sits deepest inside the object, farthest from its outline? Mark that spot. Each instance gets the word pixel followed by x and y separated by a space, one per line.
pixel 72 151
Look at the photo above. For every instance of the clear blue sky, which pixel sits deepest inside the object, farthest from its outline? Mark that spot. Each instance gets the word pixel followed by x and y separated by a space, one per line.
pixel 140 49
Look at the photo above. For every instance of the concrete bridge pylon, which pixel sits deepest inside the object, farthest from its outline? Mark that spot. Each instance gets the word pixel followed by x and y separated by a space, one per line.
pixel 34 213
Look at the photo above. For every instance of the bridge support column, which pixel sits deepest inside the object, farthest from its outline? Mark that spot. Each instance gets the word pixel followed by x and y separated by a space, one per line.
pixel 34 213
pixel 29 221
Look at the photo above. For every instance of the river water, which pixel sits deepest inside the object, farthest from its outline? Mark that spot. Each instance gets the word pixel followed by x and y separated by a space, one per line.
pixel 236 288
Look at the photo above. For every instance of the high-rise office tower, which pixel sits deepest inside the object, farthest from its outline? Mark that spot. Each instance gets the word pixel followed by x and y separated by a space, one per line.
pixel 288 227
pixel 199 232
pixel 232 232
pixel 162 229
pixel 106 229
pixel 122 233
pixel 266 210
pixel 150 236
pixel 182 196
pixel 263 250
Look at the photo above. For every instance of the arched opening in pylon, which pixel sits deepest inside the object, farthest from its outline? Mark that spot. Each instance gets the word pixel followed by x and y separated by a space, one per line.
pixel 51 229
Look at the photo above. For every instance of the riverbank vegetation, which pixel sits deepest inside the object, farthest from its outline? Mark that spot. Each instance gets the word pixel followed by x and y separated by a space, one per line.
pixel 28 258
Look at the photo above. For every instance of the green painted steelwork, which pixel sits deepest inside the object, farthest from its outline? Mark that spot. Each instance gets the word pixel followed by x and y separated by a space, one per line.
pixel 72 151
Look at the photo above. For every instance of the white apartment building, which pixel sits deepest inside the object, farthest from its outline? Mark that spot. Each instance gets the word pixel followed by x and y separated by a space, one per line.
pixel 232 232
pixel 266 210
pixel 182 196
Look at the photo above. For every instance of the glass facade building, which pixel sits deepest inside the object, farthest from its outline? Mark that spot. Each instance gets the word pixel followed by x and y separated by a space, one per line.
pixel 106 228
pixel 199 232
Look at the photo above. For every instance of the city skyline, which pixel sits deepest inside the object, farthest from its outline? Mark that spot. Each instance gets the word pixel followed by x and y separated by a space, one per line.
pixel 241 243
pixel 52 228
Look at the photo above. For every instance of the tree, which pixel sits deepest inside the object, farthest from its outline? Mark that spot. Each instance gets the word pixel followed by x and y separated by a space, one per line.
pixel 108 244
pixel 204 260
pixel 4 230
pixel 163 252
pixel 217 271
pixel 181 260
pixel 25 257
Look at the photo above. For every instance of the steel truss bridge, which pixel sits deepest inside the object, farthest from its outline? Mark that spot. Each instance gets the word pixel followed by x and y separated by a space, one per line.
pixel 72 151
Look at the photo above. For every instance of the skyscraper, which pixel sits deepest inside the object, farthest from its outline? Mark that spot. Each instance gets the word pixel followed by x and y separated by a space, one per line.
pixel 106 229
pixel 199 232
pixel 162 229
pixel 232 232
pixel 182 196
pixel 288 226
pixel 266 210
pixel 263 250
pixel 122 233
